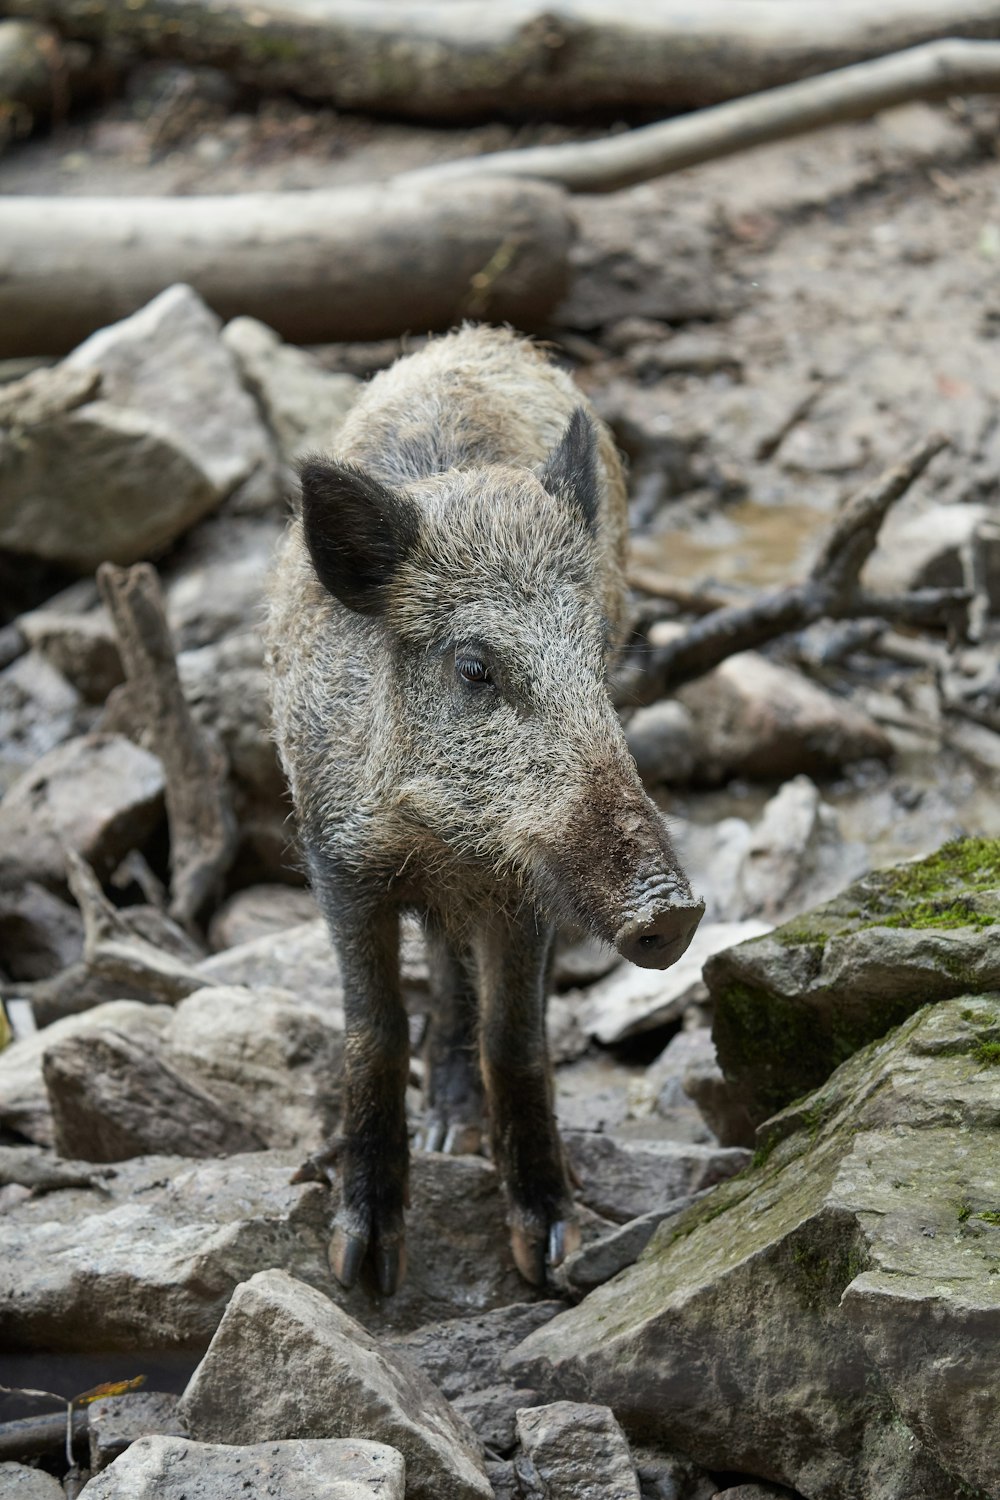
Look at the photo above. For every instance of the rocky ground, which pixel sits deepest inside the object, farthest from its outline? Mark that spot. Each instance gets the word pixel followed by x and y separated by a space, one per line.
pixel 788 1177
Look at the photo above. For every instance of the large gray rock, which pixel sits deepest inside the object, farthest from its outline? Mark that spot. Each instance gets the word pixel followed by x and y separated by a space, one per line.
pixel 791 1006
pixel 169 360
pixel 214 581
pixel 82 647
pixel 175 1468
pixel 758 719
pixel 286 1362
pixel 796 856
pixel 24 1100
pixel 466 1354
pixel 572 1451
pixel 260 911
pixel 269 1059
pixel 622 1179
pixel 829 1320
pixel 100 794
pixel 39 933
pixel 39 710
pixel 151 407
pixel 150 1261
pixel 226 689
pixel 303 404
pixel 18 1482
pixel 112 1098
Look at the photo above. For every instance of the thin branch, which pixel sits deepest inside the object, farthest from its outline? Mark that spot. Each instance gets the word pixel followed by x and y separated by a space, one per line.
pixel 831 591
pixel 202 827
pixel 935 70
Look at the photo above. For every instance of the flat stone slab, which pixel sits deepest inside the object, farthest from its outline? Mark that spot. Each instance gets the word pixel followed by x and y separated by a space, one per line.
pixel 175 1468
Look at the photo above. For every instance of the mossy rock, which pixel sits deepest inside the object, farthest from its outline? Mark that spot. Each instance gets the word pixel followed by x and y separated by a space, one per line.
pixel 792 1006
pixel 828 1319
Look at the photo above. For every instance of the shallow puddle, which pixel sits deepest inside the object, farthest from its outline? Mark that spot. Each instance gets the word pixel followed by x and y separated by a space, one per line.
pixel 747 544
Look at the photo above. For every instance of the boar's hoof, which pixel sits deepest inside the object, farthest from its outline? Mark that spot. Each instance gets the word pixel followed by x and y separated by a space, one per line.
pixel 659 939
pixel 532 1247
pixel 457 1138
pixel 348 1253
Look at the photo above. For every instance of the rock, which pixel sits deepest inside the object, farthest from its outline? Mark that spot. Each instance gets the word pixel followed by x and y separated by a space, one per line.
pixel 82 647
pixel 719 1103
pixel 151 1261
pixel 71 467
pixel 18 1482
pixel 576 1452
pixel 597 1262
pixel 175 1468
pixel 39 710
pixel 623 1179
pixel 24 1101
pixel 302 959
pixel 634 258
pixel 286 1361
pixel 791 1006
pixel 757 719
pixel 466 1354
pixel 582 962
pixel 836 1308
pixel 630 1000
pixel 753 1492
pixel 39 933
pixel 666 1476
pixel 214 582
pixel 492 1413
pixel 38 1171
pixel 271 1061
pixel 503 1478
pixel 112 1098
pixel 663 1084
pixel 923 544
pixel 303 404
pixel 226 689
pixel 169 361
pixel 260 911
pixel 714 854
pixel 100 794
pixel 796 856
pixel 117 1421
pixel 664 743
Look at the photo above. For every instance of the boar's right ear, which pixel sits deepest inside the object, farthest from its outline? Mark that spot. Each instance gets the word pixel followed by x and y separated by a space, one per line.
pixel 357 529
pixel 571 467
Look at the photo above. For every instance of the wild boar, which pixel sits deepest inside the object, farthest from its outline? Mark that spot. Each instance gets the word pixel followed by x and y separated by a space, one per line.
pixel 442 615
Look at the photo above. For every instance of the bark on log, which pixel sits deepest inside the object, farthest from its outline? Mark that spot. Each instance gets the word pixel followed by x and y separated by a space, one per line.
pixel 461 59
pixel 40 75
pixel 361 263
pixel 933 71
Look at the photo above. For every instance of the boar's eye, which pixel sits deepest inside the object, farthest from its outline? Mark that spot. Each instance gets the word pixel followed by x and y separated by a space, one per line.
pixel 473 669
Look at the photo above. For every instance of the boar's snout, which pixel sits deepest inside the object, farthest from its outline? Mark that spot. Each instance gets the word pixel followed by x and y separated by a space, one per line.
pixel 660 932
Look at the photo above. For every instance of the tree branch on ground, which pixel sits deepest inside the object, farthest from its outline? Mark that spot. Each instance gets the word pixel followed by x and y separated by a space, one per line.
pixel 936 70
pixel 452 60
pixel 202 826
pixel 832 591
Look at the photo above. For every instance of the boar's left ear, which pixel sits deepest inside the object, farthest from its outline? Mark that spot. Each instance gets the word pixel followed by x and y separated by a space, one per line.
pixel 571 467
pixel 357 529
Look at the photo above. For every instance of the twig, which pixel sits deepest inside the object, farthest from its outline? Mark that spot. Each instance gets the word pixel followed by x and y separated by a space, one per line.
pixel 202 827
pixel 935 70
pixel 831 591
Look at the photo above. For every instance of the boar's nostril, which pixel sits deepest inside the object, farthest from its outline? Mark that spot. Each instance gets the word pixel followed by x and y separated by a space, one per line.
pixel 657 940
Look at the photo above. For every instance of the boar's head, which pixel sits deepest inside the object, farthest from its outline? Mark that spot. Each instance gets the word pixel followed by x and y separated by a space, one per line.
pixel 482 590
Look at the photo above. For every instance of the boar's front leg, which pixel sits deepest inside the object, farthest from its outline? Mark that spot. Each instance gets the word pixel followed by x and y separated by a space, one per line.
pixel 513 969
pixel 374 1157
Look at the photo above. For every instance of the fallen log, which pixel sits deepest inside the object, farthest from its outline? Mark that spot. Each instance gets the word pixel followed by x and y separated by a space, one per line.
pixel 832 591
pixel 933 71
pixel 462 60
pixel 359 263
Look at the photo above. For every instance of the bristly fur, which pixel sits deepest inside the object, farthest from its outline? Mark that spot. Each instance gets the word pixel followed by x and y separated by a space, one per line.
pixel 441 618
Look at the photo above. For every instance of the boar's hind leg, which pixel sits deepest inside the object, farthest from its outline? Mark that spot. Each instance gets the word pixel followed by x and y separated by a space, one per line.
pixel 453 1087
pixel 513 966
pixel 373 1158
